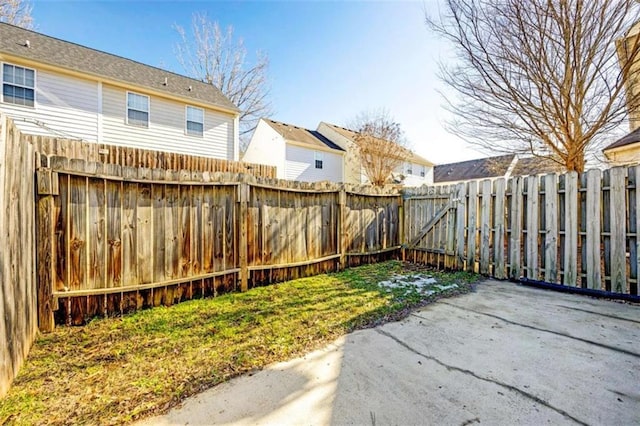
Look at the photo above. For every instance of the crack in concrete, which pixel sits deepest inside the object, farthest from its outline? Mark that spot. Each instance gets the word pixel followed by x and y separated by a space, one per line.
pixel 484 379
pixel 556 333
pixel 600 313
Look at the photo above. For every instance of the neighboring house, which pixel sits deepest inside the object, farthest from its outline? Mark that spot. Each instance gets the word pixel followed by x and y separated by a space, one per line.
pixel 626 150
pixel 625 48
pixel 57 88
pixel 493 167
pixel 414 171
pixel 297 153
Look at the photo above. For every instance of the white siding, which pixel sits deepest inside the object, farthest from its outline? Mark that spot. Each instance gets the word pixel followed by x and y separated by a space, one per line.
pixel 266 147
pixel 414 178
pixel 64 106
pixel 300 165
pixel 166 131
pixel 353 169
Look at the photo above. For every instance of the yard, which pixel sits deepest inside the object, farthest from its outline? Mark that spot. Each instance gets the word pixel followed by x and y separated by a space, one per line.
pixel 116 370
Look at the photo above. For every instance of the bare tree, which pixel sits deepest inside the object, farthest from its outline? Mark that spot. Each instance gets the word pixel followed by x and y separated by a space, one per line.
pixel 537 76
pixel 379 141
pixel 213 56
pixel 16 12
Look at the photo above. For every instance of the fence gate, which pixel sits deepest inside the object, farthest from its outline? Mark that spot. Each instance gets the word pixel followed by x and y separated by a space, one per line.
pixel 434 225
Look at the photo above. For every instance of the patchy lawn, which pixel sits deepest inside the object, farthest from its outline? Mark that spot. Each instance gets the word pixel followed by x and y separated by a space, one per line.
pixel 116 370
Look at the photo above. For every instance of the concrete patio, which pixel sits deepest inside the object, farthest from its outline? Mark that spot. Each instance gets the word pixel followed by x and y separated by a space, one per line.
pixel 505 354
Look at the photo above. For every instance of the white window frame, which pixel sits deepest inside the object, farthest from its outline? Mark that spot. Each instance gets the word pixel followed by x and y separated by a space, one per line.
pixel 409 168
pixel 134 109
pixel 2 83
pixel 318 156
pixel 186 121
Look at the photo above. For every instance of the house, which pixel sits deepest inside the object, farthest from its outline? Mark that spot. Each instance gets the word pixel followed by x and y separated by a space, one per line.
pixel 57 88
pixel 414 170
pixel 626 150
pixel 492 168
pixel 297 153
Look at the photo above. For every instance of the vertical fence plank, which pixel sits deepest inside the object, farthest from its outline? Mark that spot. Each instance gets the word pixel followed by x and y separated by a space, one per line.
pixel 144 224
pixel 472 226
pixel 515 235
pixel 485 226
pixel 45 228
pixel 532 227
pixel 617 191
pixel 243 200
pixel 635 260
pixel 570 267
pixel 461 208
pixel 551 228
pixel 594 280
pixel 499 238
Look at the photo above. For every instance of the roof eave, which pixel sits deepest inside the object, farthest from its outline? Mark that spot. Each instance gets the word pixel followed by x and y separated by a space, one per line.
pixel 115 82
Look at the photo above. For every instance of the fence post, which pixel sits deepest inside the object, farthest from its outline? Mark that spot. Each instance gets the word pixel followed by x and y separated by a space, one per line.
pixel 47 188
pixel 243 200
pixel 401 233
pixel 342 230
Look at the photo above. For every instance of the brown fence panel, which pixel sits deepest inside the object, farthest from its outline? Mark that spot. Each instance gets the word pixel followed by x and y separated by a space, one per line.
pixel 570 229
pixel 18 307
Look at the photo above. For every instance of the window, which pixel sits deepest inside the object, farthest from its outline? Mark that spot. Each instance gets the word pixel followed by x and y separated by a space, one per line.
pixel 137 109
pixel 409 169
pixel 195 121
pixel 423 171
pixel 18 85
pixel 318 159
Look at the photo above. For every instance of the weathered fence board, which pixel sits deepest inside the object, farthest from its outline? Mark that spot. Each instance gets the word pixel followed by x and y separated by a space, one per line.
pixel 592 223
pixel 578 230
pixel 138 237
pixel 138 157
pixel 18 284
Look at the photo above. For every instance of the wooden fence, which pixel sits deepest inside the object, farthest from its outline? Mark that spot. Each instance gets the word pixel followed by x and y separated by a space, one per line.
pixel 18 308
pixel 570 229
pixel 122 238
pixel 138 157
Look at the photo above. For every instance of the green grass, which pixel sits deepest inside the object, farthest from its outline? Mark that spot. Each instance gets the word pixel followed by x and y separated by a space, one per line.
pixel 116 370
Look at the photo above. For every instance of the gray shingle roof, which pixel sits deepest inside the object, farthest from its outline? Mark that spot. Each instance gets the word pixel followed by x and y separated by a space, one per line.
pixel 493 167
pixel 535 166
pixel 630 139
pixel 302 135
pixel 71 56
pixel 481 168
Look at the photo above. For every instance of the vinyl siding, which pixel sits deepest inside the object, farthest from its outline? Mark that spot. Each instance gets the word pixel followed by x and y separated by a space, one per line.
pixel 353 169
pixel 166 131
pixel 300 165
pixel 266 147
pixel 64 106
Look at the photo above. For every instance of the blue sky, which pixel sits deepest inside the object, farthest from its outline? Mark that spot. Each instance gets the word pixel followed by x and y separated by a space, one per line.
pixel 328 60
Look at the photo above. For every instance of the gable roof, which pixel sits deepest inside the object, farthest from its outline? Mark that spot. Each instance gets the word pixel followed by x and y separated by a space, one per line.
pixel 494 167
pixel 481 168
pixel 527 166
pixel 299 134
pixel 630 139
pixel 63 54
pixel 351 135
